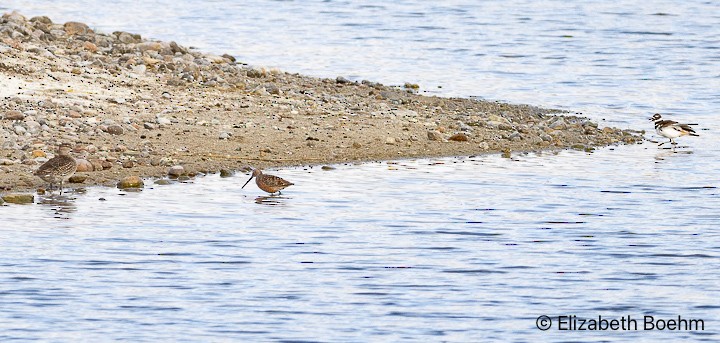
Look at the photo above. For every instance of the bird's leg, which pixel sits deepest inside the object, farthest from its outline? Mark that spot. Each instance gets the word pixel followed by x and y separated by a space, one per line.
pixel 61 187
pixel 673 141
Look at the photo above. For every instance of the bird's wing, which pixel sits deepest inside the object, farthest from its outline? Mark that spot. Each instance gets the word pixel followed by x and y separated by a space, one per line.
pixel 686 127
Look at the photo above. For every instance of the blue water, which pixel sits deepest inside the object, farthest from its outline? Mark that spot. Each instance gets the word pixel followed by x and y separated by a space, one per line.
pixel 457 249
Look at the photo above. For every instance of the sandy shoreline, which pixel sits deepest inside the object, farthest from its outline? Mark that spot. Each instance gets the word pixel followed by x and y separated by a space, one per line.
pixel 132 106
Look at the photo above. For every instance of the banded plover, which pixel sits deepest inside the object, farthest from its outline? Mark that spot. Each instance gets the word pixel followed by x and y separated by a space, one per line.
pixel 671 129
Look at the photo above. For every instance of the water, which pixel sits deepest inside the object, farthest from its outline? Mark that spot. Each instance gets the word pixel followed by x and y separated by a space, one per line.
pixel 457 249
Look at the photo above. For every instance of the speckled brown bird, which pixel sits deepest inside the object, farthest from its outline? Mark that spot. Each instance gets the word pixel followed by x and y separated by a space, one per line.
pixel 268 183
pixel 58 168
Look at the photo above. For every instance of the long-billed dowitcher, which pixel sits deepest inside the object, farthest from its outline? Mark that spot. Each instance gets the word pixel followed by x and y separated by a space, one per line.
pixel 58 168
pixel 671 129
pixel 268 183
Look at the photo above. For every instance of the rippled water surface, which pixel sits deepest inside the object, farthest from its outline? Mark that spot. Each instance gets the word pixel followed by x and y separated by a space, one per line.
pixel 458 249
pixel 461 249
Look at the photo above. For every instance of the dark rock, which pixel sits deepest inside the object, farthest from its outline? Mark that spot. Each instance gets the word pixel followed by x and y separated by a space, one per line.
pixel 225 173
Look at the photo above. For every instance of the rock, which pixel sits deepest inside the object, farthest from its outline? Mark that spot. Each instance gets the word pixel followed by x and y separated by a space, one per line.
pixel 131 182
pixel 19 130
pixel 149 126
pixel 74 28
pixel 127 38
pixel 458 137
pixel 106 165
pixel 41 19
pixel 84 166
pixel 163 121
pixel 163 182
pixel 96 164
pixel 356 145
pixel 19 198
pixel 176 171
pixel 89 46
pixel 327 168
pixel 114 130
pixel 14 115
pixel 434 136
pixel 128 164
pixel 225 173
pixel 77 179
pixel 390 140
pixel 273 89
pixel 342 80
pixel 224 135
pixel 6 162
pixel 149 46
pixel 38 153
pixel 2 201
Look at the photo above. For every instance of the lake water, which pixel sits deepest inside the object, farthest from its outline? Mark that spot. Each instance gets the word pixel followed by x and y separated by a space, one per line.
pixel 457 249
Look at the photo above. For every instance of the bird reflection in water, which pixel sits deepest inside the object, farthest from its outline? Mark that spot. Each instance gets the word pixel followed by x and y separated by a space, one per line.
pixel 63 205
pixel 270 200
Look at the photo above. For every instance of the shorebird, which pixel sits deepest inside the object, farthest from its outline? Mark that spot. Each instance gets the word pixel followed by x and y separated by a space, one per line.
pixel 268 183
pixel 58 168
pixel 671 129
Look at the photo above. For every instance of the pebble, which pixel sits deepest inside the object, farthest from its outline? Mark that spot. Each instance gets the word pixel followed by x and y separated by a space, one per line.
pixel 84 166
pixel 74 28
pixel 434 136
pixel 14 115
pixel 114 130
pixel 226 173
pixel 176 171
pixel 19 198
pixel 163 182
pixel 6 162
pixel 131 182
pixel 458 137
pixel 97 165
pixel 390 140
pixel 77 178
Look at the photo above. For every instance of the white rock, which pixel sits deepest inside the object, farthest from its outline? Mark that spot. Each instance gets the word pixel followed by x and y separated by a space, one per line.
pixel 19 130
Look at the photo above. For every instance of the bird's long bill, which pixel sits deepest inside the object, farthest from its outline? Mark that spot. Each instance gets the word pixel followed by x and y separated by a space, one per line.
pixel 248 181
